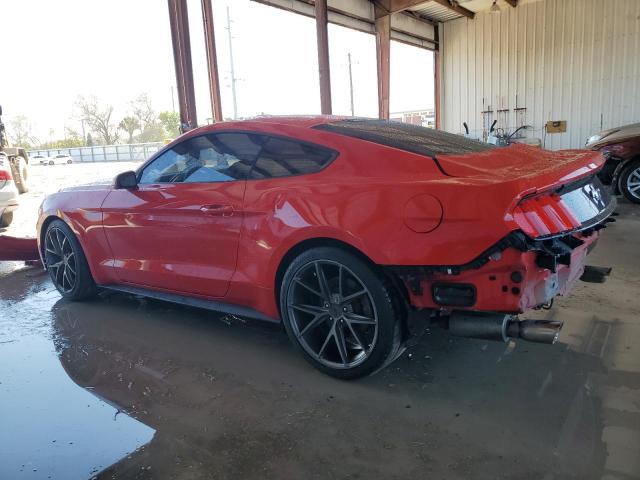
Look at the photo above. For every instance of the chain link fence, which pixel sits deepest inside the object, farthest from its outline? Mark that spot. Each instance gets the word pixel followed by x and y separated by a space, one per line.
pixel 109 153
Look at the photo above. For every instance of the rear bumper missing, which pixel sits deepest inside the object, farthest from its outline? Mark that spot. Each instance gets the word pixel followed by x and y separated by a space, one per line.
pixel 516 275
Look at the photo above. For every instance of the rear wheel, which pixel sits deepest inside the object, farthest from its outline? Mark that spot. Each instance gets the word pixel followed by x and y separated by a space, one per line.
pixel 629 181
pixel 6 219
pixel 66 262
pixel 20 173
pixel 338 311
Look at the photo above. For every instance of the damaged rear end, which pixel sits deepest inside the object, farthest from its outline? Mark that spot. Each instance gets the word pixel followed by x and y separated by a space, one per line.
pixel 558 211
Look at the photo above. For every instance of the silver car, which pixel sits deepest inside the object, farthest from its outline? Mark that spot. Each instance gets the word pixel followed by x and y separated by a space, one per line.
pixel 8 192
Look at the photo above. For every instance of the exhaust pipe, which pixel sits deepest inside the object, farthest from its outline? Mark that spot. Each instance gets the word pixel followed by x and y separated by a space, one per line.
pixel 501 327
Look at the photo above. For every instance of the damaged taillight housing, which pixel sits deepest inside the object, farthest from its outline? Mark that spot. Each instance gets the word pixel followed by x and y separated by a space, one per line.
pixel 573 207
pixel 545 215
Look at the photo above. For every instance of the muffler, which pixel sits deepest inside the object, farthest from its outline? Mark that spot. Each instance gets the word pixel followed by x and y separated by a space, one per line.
pixel 496 326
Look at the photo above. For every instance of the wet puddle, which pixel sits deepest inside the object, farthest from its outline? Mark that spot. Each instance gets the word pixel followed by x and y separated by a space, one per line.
pixel 50 427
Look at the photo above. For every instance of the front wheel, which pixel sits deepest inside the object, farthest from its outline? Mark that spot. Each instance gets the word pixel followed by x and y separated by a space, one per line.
pixel 338 311
pixel 66 262
pixel 629 181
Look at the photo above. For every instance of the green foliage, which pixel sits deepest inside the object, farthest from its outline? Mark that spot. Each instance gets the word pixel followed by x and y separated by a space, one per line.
pixel 64 143
pixel 171 123
pixel 129 125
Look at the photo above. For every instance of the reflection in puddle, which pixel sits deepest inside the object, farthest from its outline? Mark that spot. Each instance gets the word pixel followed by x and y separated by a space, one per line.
pixel 50 427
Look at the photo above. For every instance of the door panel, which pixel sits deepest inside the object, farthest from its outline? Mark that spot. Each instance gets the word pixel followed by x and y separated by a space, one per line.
pixel 176 236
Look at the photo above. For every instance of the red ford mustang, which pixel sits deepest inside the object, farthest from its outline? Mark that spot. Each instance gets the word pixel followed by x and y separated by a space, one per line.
pixel 342 228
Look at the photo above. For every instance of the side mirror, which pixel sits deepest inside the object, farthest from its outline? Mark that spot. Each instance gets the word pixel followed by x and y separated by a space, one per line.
pixel 126 180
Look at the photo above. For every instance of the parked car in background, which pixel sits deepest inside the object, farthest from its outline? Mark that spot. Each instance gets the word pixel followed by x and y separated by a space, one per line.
pixel 61 158
pixel 40 159
pixel 8 192
pixel 621 148
pixel 343 229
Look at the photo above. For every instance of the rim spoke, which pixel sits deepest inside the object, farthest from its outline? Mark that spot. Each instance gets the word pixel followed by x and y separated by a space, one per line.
pixel 341 344
pixel 340 289
pixel 322 280
pixel 56 265
pixel 58 233
pixel 71 268
pixel 312 309
pixel 361 319
pixel 355 336
pixel 309 288
pixel 353 296
pixel 317 320
pixel 326 341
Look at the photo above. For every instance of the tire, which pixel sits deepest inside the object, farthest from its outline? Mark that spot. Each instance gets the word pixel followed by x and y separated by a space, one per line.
pixel 66 263
pixel 352 330
pixel 69 162
pixel 20 173
pixel 629 181
pixel 51 162
pixel 6 219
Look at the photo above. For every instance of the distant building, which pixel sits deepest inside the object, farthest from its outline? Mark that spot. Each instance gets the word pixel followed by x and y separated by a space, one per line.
pixel 424 118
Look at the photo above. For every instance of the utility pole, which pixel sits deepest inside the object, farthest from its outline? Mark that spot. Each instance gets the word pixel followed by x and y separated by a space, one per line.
pixel 233 75
pixel 173 101
pixel 351 84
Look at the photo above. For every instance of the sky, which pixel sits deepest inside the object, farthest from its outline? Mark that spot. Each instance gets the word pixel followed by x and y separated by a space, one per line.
pixel 54 51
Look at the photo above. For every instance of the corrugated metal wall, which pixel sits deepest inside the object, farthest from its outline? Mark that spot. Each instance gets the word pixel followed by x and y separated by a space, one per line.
pixel 573 60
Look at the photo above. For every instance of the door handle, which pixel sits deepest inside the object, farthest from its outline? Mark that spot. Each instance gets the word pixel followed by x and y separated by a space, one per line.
pixel 221 210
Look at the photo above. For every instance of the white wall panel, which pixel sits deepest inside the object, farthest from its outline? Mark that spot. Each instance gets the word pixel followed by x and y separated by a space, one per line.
pixel 573 60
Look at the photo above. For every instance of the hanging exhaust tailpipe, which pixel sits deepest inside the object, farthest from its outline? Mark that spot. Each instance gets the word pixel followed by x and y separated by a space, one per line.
pixel 496 326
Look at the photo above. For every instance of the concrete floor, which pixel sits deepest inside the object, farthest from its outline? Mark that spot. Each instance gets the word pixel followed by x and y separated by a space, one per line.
pixel 123 387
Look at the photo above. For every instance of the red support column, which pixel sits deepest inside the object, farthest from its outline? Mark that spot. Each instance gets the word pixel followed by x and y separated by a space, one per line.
pixel 212 61
pixel 323 56
pixel 436 83
pixel 383 50
pixel 179 21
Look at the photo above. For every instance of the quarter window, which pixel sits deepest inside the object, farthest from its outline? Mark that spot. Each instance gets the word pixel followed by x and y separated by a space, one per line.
pixel 222 157
pixel 282 158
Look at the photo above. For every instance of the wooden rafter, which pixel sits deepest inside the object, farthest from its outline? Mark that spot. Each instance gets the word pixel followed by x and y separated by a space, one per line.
pixel 513 3
pixel 456 8
pixel 387 7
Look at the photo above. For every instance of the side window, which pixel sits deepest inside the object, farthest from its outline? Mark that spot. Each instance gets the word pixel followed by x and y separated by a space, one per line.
pixel 222 157
pixel 282 158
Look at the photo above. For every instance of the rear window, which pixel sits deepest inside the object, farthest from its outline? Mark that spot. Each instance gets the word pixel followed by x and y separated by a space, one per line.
pixel 284 158
pixel 404 136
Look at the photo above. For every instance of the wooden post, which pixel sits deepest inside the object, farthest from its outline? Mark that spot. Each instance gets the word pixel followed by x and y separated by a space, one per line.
pixel 179 21
pixel 324 71
pixel 383 50
pixel 212 61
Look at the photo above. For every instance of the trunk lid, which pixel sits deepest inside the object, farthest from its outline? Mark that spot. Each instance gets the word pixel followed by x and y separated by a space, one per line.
pixel 533 168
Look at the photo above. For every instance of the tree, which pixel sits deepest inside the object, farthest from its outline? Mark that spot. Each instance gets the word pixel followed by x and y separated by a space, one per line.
pixel 143 111
pixel 129 124
pixel 89 142
pixel 98 118
pixel 171 123
pixel 20 131
pixel 64 143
